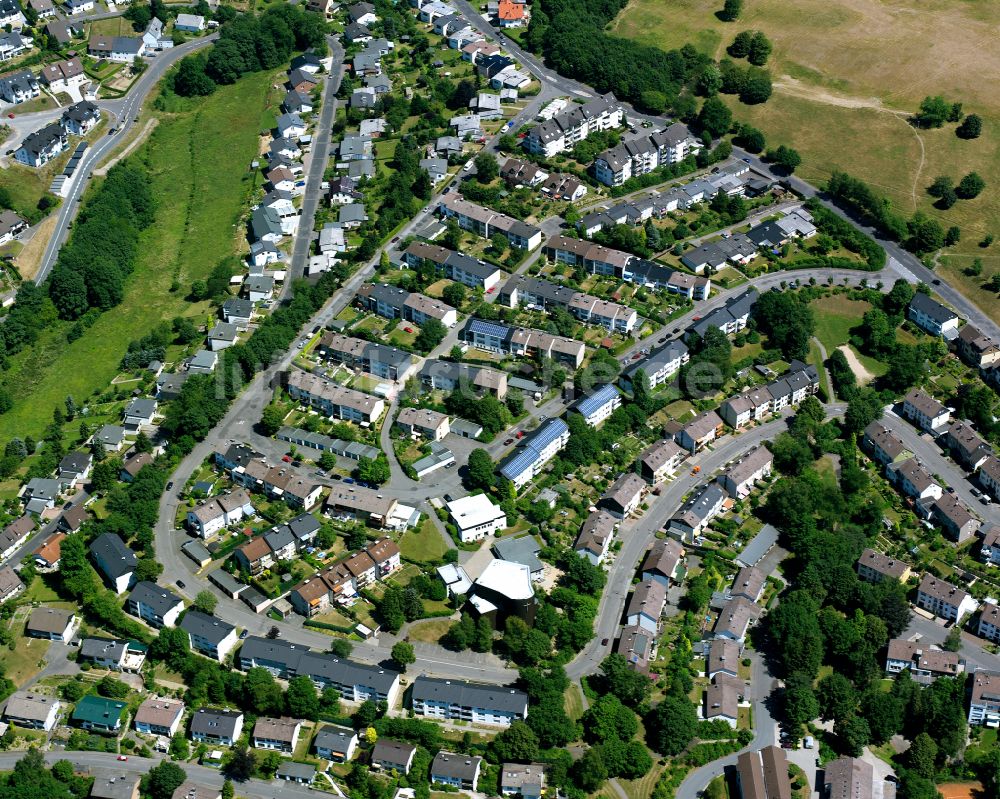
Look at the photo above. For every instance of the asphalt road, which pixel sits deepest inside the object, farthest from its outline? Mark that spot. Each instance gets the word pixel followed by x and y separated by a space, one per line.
pixel 932 632
pixel 937 462
pixel 123 113
pixel 317 165
pixel 99 763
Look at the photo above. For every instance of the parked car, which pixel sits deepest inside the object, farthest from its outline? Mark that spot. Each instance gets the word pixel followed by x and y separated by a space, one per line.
pixel 508 441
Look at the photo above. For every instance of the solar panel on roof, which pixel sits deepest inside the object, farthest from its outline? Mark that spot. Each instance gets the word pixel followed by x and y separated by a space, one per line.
pixel 488 328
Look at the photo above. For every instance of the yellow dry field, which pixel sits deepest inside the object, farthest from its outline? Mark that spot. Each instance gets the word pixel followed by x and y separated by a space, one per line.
pixel 847 75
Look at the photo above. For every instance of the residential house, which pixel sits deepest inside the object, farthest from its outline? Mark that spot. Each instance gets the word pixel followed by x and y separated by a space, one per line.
pixel 120 49
pixel 623 496
pixel 735 619
pixel 379 360
pixel 395 303
pixel 645 606
pixel 638 646
pixel 19 87
pixel 11 226
pixel 75 467
pixel 447 376
pixel 133 465
pixel 100 715
pixel 15 534
pixel 989 622
pixel 158 607
pixel 335 743
pixel 473 703
pixel 159 716
pixel 722 699
pixel 534 451
pixel 966 445
pixel 113 655
pixel 925 412
pixel 660 460
pixel 40 494
pixel 523 342
pixel 12 44
pixel 932 316
pixel 458 771
pixel 216 726
pixel 639 156
pixel 43 8
pixel 884 445
pixel 564 130
pixel 851 777
pixel 40 147
pixel 989 476
pixel 486 223
pixel 475 517
pixel 944 599
pixel 139 413
pixel 10 584
pixel 731 318
pixel 424 423
pixel 599 405
pixel 924 663
pixel 334 400
pixel 873 567
pixel 977 348
pixel 957 523
pixel 363 504
pixel 281 735
pixel 32 711
pixel 913 480
pixel 659 366
pixel 81 118
pixel 740 478
pixel 723 658
pixel 700 431
pixel 301 773
pixel 764 775
pixel 74 7
pixel 114 560
pixel 526 781
pixel 984 701
pixel 595 536
pixel 209 635
pixel 46 556
pixel 749 583
pixel 388 755
pixel 662 563
pixel 219 512
pixel 694 516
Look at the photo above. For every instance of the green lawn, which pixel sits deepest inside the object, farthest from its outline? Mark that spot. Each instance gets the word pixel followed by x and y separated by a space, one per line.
pixel 198 162
pixel 835 316
pixel 424 544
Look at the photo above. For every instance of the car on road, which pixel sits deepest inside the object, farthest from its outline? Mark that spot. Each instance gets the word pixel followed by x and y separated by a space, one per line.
pixel 408 329
pixel 244 634
pixel 747 160
pixel 180 584
pixel 286 458
pixel 450 465
pixel 637 356
pixel 467 167
pixel 123 757
pixel 984 500
pixel 336 477
pixel 491 289
pixel 936 282
pixel 604 642
pixel 975 491
pixel 395 240
pixel 10 116
pixel 349 480
pixel 170 485
pixel 508 442
pixel 661 340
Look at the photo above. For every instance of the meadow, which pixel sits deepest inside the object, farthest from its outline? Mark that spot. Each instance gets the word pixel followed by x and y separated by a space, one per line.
pixel 847 76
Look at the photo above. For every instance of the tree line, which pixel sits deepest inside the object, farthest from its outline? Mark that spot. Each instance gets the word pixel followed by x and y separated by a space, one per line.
pixel 249 43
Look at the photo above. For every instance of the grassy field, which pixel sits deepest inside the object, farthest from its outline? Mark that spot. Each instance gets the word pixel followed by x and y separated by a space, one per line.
pixel 198 162
pixel 424 544
pixel 846 78
pixel 835 316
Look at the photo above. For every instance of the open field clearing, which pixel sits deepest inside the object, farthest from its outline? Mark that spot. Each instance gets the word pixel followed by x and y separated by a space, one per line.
pixel 847 75
pixel 198 160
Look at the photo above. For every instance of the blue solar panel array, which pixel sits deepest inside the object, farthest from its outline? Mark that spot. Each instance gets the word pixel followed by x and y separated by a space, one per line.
pixel 605 394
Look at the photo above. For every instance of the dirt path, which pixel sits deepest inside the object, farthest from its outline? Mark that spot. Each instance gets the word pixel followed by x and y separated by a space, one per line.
pixel 28 259
pixel 130 147
pixel 860 372
pixel 816 94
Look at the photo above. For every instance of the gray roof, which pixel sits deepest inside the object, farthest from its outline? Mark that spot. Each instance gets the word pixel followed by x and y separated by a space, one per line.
pixel 279 538
pixel 160 600
pixel 141 406
pixel 94 648
pixel 204 626
pixel 522 549
pixel 467 694
pixel 296 771
pixel 935 310
pixel 331 736
pixel 215 722
pixel 115 558
pixel 454 766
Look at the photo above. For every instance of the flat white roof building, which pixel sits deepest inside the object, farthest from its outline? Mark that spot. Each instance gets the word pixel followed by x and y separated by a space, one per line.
pixel 476 517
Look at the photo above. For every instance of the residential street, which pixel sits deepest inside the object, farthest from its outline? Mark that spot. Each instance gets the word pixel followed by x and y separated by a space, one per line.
pixel 100 762
pixel 122 112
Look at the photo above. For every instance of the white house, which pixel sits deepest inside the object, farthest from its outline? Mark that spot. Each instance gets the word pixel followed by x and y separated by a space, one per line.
pixel 476 517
